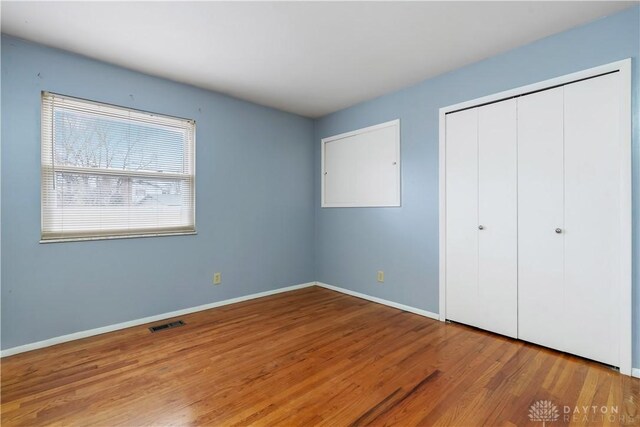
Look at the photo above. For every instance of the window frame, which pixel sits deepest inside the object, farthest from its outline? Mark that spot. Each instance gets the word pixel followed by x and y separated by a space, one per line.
pixel 48 169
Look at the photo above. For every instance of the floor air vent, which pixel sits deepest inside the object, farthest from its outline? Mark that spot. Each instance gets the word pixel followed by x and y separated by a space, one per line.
pixel 166 326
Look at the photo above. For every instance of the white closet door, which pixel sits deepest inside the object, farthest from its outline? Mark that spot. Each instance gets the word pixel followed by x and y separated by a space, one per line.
pixel 541 293
pixel 592 217
pixel 497 217
pixel 462 291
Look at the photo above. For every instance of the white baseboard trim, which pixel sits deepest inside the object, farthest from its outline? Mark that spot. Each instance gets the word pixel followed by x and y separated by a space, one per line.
pixel 635 372
pixel 408 308
pixel 102 330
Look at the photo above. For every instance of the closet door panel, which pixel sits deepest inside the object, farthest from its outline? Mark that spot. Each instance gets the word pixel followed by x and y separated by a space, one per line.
pixel 540 213
pixel 497 215
pixel 592 217
pixel 462 216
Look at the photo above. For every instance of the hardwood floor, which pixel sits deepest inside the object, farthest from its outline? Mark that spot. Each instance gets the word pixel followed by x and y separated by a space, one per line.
pixel 308 357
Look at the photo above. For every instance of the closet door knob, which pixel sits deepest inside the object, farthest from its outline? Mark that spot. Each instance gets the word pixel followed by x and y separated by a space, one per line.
pixel 481 227
pixel 558 230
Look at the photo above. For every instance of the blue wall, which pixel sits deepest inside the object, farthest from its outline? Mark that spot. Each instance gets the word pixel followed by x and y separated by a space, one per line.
pixel 352 244
pixel 254 204
pixel 258 204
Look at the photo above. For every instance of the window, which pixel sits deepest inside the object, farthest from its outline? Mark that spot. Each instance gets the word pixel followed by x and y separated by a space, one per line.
pixel 110 171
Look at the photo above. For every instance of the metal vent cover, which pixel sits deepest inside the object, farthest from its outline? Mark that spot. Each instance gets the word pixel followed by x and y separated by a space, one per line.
pixel 167 326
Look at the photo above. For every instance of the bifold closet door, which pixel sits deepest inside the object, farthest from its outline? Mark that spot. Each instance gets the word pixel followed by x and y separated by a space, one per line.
pixel 481 212
pixel 569 218
pixel 592 217
pixel 498 217
pixel 541 305
pixel 462 303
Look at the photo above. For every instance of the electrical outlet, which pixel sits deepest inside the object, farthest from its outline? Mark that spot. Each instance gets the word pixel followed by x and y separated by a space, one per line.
pixel 380 276
pixel 217 278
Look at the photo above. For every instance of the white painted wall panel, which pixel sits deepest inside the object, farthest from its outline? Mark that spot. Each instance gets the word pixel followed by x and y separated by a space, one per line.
pixel 362 168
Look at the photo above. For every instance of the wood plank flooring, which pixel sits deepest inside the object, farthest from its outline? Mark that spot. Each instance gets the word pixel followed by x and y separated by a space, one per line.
pixel 303 358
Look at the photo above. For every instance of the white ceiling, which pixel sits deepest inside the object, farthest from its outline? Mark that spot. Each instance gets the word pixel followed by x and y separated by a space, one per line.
pixel 309 58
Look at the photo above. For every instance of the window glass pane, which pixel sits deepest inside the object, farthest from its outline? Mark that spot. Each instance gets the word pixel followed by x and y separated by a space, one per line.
pixel 85 202
pixel 88 140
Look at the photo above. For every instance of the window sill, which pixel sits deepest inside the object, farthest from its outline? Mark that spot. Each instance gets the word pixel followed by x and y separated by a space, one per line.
pixel 128 236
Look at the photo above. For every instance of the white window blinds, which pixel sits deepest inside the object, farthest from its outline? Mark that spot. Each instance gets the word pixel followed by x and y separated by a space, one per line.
pixel 114 172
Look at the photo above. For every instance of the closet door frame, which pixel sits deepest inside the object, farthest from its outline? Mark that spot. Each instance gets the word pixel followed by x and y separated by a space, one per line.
pixel 625 292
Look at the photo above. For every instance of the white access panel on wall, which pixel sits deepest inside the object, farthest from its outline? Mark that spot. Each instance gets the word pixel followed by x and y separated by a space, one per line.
pixel 362 168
